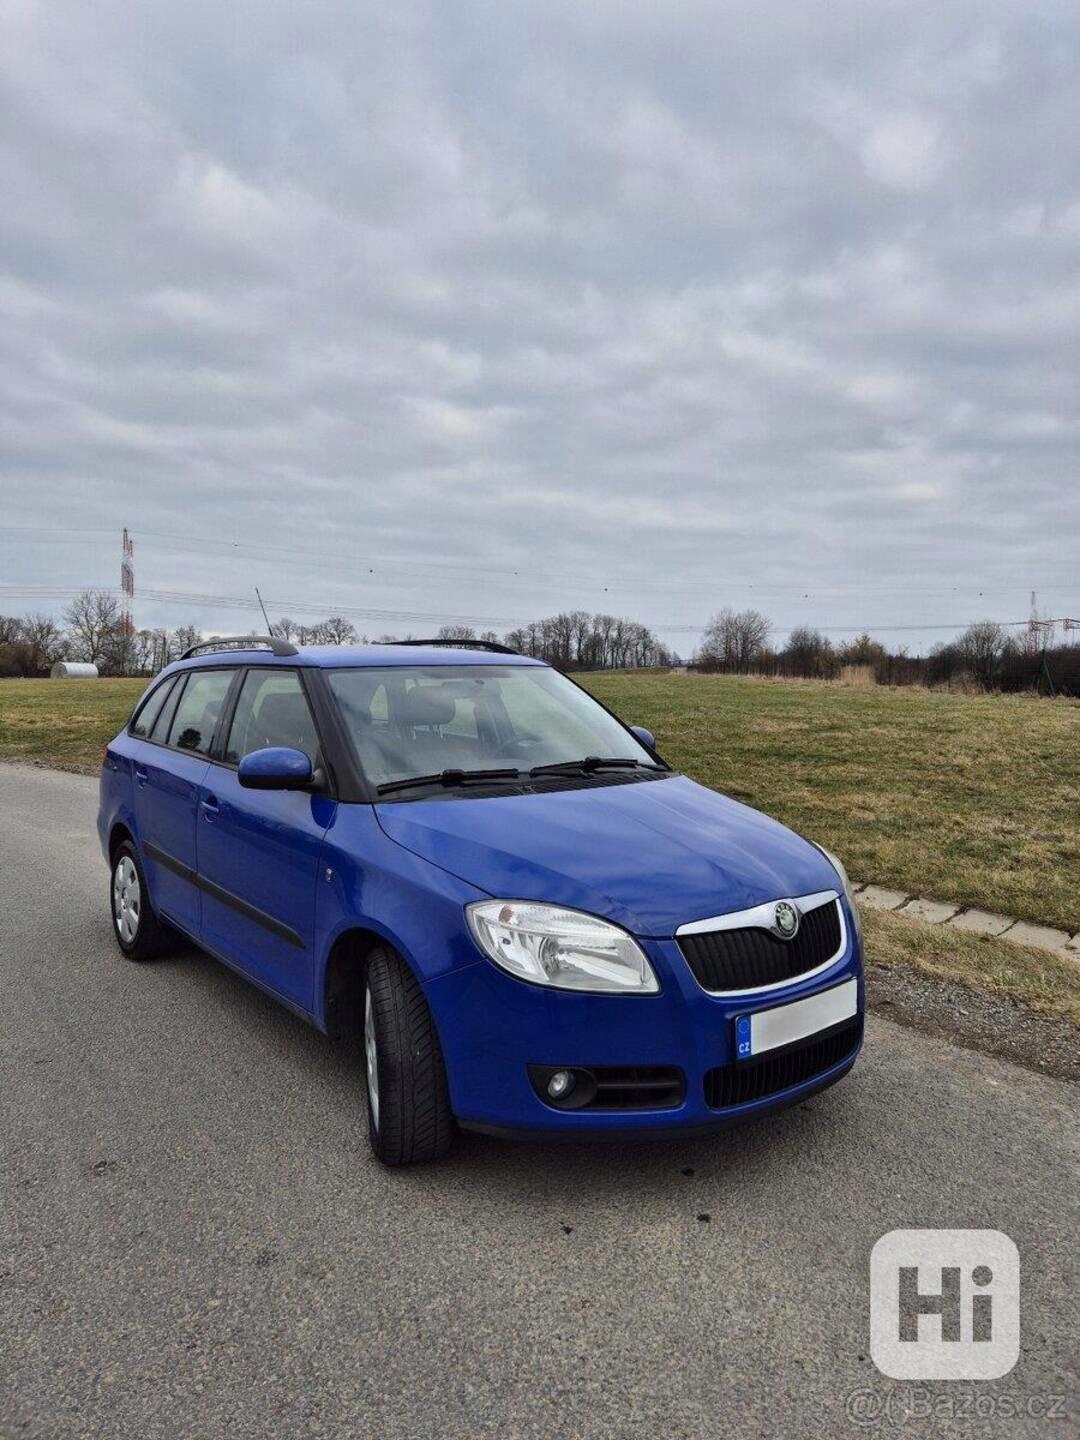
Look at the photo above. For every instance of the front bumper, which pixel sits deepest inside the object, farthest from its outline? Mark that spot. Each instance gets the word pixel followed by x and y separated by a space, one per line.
pixel 493 1027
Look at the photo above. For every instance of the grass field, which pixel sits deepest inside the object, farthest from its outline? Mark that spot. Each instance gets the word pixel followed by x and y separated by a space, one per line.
pixel 974 799
pixel 970 798
pixel 63 722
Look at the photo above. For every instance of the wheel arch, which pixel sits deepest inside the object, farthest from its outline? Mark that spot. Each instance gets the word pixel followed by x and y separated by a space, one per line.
pixel 343 978
pixel 117 835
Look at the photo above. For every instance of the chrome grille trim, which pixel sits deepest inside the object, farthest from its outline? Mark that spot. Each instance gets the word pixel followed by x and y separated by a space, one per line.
pixel 758 916
pixel 761 917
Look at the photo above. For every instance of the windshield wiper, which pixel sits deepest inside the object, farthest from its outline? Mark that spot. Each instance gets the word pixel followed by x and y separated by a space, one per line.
pixel 591 763
pixel 447 777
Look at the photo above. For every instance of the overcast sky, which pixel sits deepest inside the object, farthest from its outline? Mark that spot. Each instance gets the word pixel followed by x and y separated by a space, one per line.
pixel 488 310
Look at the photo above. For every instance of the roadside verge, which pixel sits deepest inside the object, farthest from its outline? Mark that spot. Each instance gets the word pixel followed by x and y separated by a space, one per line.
pixel 970 918
pixel 1013 1001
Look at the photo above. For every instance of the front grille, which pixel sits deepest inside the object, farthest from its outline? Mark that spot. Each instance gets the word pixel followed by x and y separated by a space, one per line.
pixel 729 1085
pixel 750 957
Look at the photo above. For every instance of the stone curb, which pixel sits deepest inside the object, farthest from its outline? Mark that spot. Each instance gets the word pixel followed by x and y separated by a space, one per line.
pixel 969 918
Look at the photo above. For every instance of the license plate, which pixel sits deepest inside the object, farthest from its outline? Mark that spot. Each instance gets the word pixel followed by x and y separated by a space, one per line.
pixel 784 1024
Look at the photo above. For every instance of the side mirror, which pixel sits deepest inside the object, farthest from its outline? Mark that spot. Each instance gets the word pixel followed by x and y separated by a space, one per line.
pixel 647 738
pixel 278 767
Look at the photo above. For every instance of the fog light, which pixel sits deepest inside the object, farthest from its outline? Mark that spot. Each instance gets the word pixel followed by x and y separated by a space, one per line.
pixel 560 1084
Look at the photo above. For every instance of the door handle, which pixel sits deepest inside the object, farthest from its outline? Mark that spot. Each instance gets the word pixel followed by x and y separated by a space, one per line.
pixel 141 775
pixel 210 804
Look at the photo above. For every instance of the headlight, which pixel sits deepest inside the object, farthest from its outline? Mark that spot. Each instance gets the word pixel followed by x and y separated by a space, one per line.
pixel 564 948
pixel 838 867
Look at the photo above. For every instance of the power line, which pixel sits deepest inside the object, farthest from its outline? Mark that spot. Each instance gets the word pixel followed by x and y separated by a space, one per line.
pixel 392 567
pixel 240 602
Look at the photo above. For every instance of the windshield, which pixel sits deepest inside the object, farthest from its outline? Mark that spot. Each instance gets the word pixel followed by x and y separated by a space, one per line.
pixel 408 721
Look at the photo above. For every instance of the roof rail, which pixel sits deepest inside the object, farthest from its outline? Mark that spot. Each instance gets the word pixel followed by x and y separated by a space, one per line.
pixel 242 642
pixel 491 645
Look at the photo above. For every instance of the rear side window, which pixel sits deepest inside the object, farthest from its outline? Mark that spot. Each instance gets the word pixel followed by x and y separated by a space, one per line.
pixel 160 728
pixel 271 710
pixel 150 709
pixel 200 706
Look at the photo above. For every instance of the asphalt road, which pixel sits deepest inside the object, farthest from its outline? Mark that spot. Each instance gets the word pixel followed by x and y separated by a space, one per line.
pixel 195 1242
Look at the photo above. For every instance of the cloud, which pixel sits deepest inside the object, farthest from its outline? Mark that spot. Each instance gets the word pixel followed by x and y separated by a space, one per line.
pixel 501 310
pixel 902 150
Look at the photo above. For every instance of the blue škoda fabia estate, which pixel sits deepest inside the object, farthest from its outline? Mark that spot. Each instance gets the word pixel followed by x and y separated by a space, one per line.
pixel 459 860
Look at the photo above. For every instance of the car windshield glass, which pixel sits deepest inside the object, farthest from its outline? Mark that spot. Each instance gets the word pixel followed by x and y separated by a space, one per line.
pixel 407 721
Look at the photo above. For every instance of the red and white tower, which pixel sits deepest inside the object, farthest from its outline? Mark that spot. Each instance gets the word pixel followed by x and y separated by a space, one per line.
pixel 127 582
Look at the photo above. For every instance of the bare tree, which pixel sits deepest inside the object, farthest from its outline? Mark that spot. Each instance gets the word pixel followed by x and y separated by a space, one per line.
pixel 809 654
pixel 562 638
pixel 161 652
pixel 286 628
pixel 578 638
pixel 336 630
pixel 11 629
pixel 603 629
pixel 734 638
pixel 456 632
pixel 120 651
pixel 144 644
pixel 621 640
pixel 753 631
pixel 184 637
pixel 92 618
pixel 45 638
pixel 580 627
pixel 863 650
pixel 981 647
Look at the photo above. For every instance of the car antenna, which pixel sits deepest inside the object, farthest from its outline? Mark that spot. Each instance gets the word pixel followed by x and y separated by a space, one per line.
pixel 262 607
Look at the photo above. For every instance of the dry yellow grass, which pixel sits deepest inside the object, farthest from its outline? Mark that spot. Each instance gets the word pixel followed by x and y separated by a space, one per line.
pixel 1040 979
pixel 856 675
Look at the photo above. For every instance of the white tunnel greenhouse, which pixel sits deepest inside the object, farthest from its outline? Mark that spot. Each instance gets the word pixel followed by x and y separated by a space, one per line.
pixel 73 670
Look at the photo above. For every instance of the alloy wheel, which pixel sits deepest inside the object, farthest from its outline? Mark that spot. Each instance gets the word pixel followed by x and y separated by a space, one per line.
pixel 371 1055
pixel 127 899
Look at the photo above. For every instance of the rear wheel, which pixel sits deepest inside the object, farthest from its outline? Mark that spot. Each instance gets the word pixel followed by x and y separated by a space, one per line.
pixel 409 1116
pixel 139 933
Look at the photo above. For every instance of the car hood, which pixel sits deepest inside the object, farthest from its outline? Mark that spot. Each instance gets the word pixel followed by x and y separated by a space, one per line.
pixel 650 855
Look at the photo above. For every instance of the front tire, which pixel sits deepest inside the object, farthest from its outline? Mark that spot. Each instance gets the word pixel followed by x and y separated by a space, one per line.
pixel 409 1115
pixel 139 932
